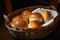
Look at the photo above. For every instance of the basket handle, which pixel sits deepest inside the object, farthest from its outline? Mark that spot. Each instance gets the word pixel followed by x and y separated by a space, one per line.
pixel 53 7
pixel 6 18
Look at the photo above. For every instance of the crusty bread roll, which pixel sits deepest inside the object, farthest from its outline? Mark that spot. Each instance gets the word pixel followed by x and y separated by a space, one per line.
pixel 19 22
pixel 26 13
pixel 34 24
pixel 46 15
pixel 36 17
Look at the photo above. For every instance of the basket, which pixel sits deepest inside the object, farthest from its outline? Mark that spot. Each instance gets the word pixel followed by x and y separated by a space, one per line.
pixel 34 34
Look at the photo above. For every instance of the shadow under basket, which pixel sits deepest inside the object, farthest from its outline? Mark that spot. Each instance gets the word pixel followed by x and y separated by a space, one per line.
pixel 38 33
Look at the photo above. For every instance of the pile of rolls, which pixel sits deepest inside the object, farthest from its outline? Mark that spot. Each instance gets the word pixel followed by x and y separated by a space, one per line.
pixel 27 19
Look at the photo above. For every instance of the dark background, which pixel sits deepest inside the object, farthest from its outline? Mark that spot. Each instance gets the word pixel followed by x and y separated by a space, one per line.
pixel 5 35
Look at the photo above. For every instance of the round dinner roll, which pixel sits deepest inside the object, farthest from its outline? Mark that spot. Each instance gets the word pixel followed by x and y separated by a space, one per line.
pixel 34 24
pixel 26 13
pixel 46 15
pixel 19 22
pixel 36 17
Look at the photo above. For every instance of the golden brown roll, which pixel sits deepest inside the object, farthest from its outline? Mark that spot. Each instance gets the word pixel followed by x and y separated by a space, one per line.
pixel 26 13
pixel 36 17
pixel 18 22
pixel 46 15
pixel 34 24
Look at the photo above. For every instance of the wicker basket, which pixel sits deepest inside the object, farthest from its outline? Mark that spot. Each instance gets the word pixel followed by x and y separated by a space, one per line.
pixel 38 33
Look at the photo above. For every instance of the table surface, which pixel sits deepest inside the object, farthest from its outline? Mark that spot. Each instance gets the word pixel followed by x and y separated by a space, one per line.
pixel 5 35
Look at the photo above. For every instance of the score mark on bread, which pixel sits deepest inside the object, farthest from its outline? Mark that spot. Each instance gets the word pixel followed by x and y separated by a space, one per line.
pixel 34 24
pixel 26 13
pixel 46 15
pixel 19 22
pixel 36 17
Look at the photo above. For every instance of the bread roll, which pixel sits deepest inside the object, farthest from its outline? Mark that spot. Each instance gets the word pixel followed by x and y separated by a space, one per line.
pixel 34 24
pixel 46 15
pixel 26 13
pixel 19 22
pixel 36 17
